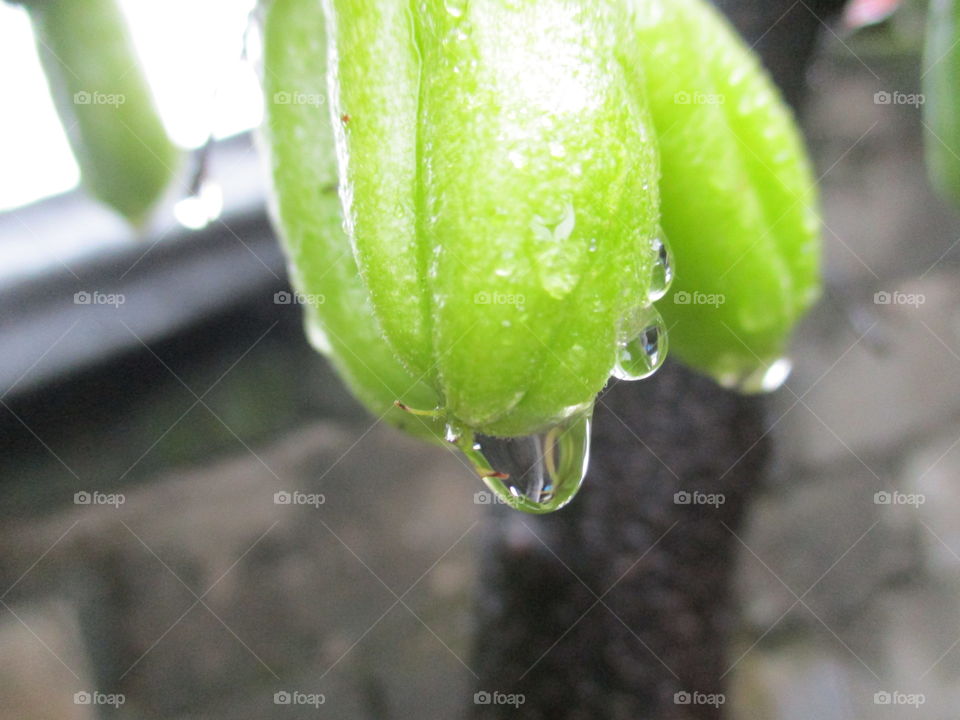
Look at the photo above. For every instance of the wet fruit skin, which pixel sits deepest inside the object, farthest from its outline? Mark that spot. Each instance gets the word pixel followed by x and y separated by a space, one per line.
pixel 500 192
pixel 303 170
pixel 126 159
pixel 498 174
pixel 738 197
pixel 941 83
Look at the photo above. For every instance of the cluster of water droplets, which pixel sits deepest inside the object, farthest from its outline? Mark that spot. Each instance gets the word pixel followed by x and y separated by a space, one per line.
pixel 642 336
pixel 541 473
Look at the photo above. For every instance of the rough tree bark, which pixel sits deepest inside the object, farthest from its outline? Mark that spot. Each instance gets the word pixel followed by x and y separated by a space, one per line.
pixel 611 606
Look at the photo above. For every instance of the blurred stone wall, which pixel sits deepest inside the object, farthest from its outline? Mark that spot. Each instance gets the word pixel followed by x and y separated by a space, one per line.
pixel 271 539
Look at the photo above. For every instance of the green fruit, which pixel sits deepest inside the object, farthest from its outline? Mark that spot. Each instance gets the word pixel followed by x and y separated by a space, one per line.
pixel 498 176
pixel 298 136
pixel 941 84
pixel 738 197
pixel 126 159
pixel 495 249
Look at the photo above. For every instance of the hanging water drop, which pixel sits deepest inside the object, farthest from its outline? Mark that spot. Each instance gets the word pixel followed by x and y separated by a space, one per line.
pixel 643 345
pixel 662 273
pixel 202 207
pixel 537 473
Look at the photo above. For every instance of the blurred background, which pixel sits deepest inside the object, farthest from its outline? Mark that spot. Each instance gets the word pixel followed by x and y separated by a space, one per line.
pixel 196 516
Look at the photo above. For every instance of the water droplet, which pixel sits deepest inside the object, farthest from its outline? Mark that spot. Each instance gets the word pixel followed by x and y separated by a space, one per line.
pixel 662 274
pixel 557 229
pixel 558 259
pixel 200 209
pixel 538 473
pixel 643 345
pixel 766 378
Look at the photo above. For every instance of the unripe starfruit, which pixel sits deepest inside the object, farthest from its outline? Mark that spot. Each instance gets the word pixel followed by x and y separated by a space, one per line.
pixel 941 88
pixel 499 181
pixel 738 198
pixel 500 201
pixel 498 176
pixel 126 159
pixel 298 137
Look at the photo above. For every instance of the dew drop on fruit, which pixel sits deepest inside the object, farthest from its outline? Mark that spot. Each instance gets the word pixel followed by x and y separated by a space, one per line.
pixel 558 259
pixel 662 273
pixel 643 345
pixel 538 473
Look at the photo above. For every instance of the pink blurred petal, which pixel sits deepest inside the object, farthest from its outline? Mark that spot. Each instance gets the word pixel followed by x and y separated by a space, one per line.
pixel 860 13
